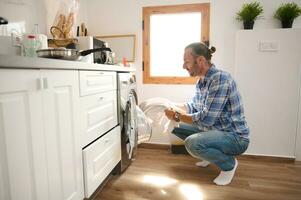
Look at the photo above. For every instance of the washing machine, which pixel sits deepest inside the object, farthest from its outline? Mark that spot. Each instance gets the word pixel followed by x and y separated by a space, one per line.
pixel 127 117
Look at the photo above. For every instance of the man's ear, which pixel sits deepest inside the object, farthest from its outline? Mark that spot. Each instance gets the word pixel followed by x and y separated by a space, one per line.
pixel 201 59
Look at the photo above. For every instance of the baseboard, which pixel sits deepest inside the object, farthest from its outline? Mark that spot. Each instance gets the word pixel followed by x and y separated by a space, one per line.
pixel 154 146
pixel 268 158
pixel 180 149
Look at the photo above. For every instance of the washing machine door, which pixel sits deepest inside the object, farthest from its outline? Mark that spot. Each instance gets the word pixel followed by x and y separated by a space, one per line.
pixel 143 126
pixel 130 123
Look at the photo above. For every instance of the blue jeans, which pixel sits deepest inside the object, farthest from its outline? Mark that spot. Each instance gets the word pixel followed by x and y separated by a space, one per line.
pixel 215 146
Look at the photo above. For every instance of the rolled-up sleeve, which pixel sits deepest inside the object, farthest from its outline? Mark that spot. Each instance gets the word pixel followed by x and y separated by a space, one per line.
pixel 189 107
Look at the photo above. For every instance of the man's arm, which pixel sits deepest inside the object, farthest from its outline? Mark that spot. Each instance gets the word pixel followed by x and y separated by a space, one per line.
pixel 170 114
pixel 181 107
pixel 218 94
pixel 217 97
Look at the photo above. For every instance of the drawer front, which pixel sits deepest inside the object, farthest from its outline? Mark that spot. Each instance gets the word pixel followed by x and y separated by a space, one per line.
pixel 98 115
pixel 93 82
pixel 100 158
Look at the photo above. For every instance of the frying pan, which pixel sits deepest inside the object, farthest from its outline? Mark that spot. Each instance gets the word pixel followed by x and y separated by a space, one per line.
pixel 67 54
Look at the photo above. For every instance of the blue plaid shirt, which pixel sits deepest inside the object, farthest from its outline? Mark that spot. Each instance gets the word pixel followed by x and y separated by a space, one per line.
pixel 217 104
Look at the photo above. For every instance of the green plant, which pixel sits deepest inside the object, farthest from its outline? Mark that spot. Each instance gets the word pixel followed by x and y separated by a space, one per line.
pixel 287 12
pixel 249 12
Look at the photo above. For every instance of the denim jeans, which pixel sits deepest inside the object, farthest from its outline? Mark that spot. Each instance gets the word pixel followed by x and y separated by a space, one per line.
pixel 215 146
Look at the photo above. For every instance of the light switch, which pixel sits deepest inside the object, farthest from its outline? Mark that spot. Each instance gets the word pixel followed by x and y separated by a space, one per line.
pixel 269 46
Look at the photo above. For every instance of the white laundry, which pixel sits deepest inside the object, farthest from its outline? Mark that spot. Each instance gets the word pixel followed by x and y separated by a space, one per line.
pixel 154 110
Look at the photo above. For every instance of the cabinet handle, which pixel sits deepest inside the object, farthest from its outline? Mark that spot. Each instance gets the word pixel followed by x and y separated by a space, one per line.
pixel 39 84
pixel 101 98
pixel 45 83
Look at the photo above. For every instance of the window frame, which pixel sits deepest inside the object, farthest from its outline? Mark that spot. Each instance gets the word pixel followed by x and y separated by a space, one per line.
pixel 204 8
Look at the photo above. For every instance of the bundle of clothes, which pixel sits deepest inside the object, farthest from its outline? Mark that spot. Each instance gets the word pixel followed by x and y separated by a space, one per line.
pixel 154 111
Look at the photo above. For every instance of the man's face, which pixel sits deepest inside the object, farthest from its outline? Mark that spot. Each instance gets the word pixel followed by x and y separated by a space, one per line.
pixel 191 64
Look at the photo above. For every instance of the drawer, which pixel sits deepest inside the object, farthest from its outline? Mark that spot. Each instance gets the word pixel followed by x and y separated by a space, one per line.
pixel 93 82
pixel 100 158
pixel 98 114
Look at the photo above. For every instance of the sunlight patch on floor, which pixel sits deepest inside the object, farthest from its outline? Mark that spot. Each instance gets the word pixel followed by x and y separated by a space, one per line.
pixel 159 181
pixel 163 192
pixel 191 192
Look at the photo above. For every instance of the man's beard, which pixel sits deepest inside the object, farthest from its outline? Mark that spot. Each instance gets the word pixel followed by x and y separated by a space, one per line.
pixel 195 70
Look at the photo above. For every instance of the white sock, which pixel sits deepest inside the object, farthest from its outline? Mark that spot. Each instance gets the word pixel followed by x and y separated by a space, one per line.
pixel 203 163
pixel 225 177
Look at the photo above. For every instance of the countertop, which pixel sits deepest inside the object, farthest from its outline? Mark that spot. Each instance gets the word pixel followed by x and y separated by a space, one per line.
pixel 8 61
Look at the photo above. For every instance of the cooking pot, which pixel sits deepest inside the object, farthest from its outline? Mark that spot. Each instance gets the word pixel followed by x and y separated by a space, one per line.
pixel 67 54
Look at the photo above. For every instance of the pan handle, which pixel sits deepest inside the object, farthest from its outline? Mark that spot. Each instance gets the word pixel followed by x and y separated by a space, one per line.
pixel 86 52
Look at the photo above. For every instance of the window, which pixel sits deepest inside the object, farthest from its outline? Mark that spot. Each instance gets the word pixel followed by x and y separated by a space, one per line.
pixel 166 32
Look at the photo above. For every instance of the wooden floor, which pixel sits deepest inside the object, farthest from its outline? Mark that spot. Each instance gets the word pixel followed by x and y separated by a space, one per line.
pixel 158 174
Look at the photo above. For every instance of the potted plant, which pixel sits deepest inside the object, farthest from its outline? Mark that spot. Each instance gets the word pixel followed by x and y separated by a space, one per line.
pixel 286 13
pixel 249 13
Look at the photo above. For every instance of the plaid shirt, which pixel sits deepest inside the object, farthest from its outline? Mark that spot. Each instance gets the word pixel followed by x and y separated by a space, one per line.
pixel 217 104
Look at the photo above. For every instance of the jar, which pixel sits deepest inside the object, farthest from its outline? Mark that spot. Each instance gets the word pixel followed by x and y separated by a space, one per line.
pixel 30 45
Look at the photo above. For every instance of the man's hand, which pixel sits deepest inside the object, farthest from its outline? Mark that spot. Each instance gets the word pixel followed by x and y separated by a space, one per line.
pixel 170 113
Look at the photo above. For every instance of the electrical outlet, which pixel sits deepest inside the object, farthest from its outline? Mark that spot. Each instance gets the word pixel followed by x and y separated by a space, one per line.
pixel 269 46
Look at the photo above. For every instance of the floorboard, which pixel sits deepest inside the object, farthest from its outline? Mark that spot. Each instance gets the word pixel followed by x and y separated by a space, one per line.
pixel 157 174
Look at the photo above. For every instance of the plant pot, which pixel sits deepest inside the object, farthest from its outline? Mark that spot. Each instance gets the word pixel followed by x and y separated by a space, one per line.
pixel 287 23
pixel 248 24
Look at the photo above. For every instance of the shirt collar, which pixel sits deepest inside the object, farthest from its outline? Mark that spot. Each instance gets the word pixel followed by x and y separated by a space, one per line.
pixel 209 73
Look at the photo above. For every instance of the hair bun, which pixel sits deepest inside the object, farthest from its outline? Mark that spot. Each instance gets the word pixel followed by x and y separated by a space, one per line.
pixel 212 49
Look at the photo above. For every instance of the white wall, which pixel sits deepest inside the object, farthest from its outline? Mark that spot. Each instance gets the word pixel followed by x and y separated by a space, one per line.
pixel 40 12
pixel 298 135
pixel 108 17
pixel 28 11
pixel 269 84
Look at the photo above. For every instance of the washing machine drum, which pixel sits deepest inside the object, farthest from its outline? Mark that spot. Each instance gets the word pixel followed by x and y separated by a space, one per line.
pixel 143 126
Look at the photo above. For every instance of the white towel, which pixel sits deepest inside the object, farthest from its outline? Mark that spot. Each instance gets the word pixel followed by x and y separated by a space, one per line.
pixel 154 110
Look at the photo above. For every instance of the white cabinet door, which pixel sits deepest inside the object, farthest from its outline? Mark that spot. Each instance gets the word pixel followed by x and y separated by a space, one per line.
pixel 100 158
pixel 61 104
pixel 93 82
pixel 98 114
pixel 23 171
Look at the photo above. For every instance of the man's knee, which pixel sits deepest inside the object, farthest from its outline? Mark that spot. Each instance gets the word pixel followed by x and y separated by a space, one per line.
pixel 190 142
pixel 194 145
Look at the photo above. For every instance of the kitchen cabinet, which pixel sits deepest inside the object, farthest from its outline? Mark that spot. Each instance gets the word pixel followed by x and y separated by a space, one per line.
pixel 40 152
pixel 100 135
pixel 23 166
pixel 94 82
pixel 98 114
pixel 100 158
pixel 61 108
